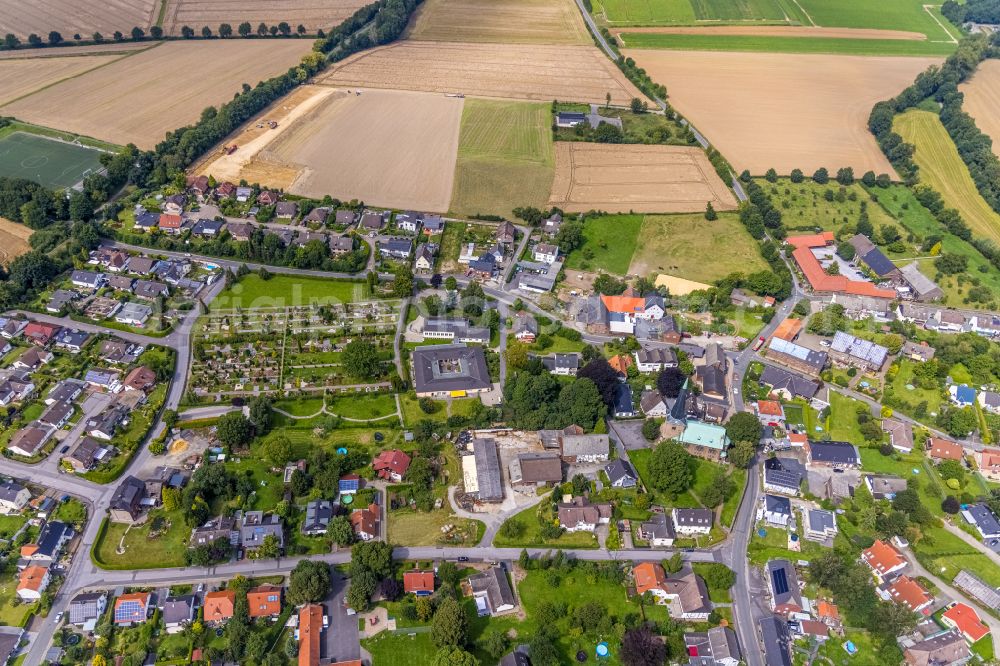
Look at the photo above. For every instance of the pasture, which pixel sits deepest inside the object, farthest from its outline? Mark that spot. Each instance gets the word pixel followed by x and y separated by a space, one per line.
pixel 942 168
pixel 385 147
pixel 505 157
pixel 23 76
pixel 635 177
pixel 51 162
pixel 138 99
pixel 764 110
pixel 13 240
pixel 507 71
pixel 69 17
pixel 691 247
pixel 316 14
pixel 505 21
pixel 982 99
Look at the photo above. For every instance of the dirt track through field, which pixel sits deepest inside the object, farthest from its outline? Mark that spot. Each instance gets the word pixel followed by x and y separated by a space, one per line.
pixel 780 31
pixel 982 100
pixel 641 178
pixel 502 21
pixel 69 17
pixel 139 98
pixel 506 71
pixel 388 148
pixel 23 77
pixel 764 110
pixel 312 14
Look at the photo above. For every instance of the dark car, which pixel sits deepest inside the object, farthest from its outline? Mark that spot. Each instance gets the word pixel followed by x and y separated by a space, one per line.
pixel 64 449
pixel 462 558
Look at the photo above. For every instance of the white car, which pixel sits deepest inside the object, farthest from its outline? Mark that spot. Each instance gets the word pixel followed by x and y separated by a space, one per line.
pixel 59 617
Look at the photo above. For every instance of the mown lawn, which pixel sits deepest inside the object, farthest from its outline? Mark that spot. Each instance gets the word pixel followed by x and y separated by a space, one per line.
pixel 843 421
pixel 363 406
pixel 531 532
pixel 609 243
pixel 141 551
pixel 779 44
pixel 286 291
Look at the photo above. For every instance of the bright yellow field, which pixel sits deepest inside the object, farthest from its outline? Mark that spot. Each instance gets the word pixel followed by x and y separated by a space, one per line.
pixel 13 240
pixel 982 99
pixel 943 169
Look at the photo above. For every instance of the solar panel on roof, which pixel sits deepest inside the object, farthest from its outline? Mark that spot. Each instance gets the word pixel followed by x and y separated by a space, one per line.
pixel 780 581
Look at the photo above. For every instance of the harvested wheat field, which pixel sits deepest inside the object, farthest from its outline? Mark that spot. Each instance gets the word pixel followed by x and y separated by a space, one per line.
pixel 140 98
pixel 503 21
pixel 506 71
pixel 766 110
pixel 778 31
pixel 111 48
pixel 389 148
pixel 70 17
pixel 982 99
pixel 255 135
pixel 13 240
pixel 27 75
pixel 639 178
pixel 313 14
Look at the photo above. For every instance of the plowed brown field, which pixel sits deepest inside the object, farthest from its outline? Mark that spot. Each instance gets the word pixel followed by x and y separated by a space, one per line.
pixel 70 17
pixel 503 21
pixel 25 76
pixel 765 110
pixel 640 178
pixel 507 71
pixel 982 99
pixel 141 97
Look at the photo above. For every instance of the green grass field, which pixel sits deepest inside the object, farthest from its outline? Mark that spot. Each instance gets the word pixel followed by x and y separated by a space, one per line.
pixel 805 208
pixel 505 157
pixel 942 168
pixel 689 246
pixel 883 15
pixel 771 44
pixel 286 291
pixel 661 12
pixel 609 244
pixel 47 161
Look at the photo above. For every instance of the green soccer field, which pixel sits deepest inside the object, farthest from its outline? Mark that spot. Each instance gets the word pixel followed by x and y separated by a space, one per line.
pixel 50 162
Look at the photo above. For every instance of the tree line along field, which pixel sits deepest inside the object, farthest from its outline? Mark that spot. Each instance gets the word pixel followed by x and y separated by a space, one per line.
pixel 505 21
pixel 764 110
pixel 138 98
pixel 982 99
pixel 313 15
pixel 942 168
pixel 505 157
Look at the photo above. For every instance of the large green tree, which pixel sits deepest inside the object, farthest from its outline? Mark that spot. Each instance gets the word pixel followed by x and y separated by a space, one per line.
pixel 450 624
pixel 744 427
pixel 670 468
pixel 361 360
pixel 234 430
pixel 309 582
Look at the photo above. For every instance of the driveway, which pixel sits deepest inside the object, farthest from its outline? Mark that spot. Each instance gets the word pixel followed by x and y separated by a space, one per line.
pixel 340 639
pixel 629 433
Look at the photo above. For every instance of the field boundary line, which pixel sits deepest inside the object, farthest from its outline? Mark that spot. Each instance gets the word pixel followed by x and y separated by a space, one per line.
pixel 125 54
pixel 951 38
pixel 804 12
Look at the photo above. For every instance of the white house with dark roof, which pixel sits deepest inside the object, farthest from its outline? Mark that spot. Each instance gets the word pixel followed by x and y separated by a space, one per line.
pixel 692 521
pixel 983 519
pixel 775 510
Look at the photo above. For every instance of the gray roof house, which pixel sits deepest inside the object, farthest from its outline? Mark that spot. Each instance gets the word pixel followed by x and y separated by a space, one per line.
pixel 983 519
pixel 783 587
pixel 86 608
pixel 178 612
pixel 585 448
pixel 396 248
pixel 492 592
pixel 777 641
pixel 658 530
pixel 444 369
pixel 319 513
pixel 621 474
pixel 489 479
pixel 789 383
pixel 126 503
pixel 783 475
pixel 836 454
pixel 256 526
pixel 716 647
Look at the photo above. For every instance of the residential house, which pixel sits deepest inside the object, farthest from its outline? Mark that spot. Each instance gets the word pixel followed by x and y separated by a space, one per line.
pixel 716 647
pixel 775 510
pixel 424 256
pixel 395 248
pixel 545 253
pixel 565 364
pixel 788 385
pixel 942 449
pixel 419 583
pixel 240 231
pixel 883 559
pixel 908 592
pixel 947 648
pixel 87 454
pixel 820 524
pixel 373 222
pixel 692 521
pixel 658 530
pixel 60 301
pixel 770 412
pixel 580 515
pixel 456 330
pixel 536 468
pixel 218 606
pixel 150 290
pixel 884 487
pixel 506 233
pixel 783 588
pixel 32 583
pixel 227 190
pixel 104 425
pixel 812 630
pixel 962 395
pixel 580 448
pixel 624 406
pixel 366 522
pixel 88 279
pixel 621 474
pixel 783 475
pixel 525 327
pixel 268 198
pixel 257 526
pixel 777 641
pixel 29 440
pixel 32 359
pixel 409 221
pixel 286 210
pixel 13 497
pixel 309 634
pixel 170 223
pixel 450 370
pixel 178 612
pixel 349 484
pixel 127 501
pixel 988 461
pixel 340 245
pixel 56 415
pixel 319 513
pixel 492 592
pixel 391 465
pixel 983 519
pixel 41 333
pixel 990 401
pixel 655 359
pixel 141 265
pixel 132 608
pixel 652 404
pixel 900 434
pixel 86 608
pixel 797 357
pixel 146 221
pixel 119 352
pixel 551 225
pixel 966 620
pixel 220 527
pixel 140 378
pixel 264 601
pixel 208 228
pixel 433 224
pixel 853 351
pixel 48 548
pixel 917 351
pixel 685 593
pixel 832 454
pixel 174 204
pixel 12 327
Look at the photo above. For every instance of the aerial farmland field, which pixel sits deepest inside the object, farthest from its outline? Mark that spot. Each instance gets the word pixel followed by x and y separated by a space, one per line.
pixel 23 76
pixel 508 21
pixel 505 157
pixel 799 42
pixel 13 240
pixel 390 148
pixel 138 98
pixel 70 17
pixel 982 99
pixel 766 110
pixel 315 14
pixel 507 71
pixel 636 177
pixel 942 168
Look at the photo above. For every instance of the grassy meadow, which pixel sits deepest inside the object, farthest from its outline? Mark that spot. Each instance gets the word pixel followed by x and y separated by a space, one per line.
pixel 772 44
pixel 287 291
